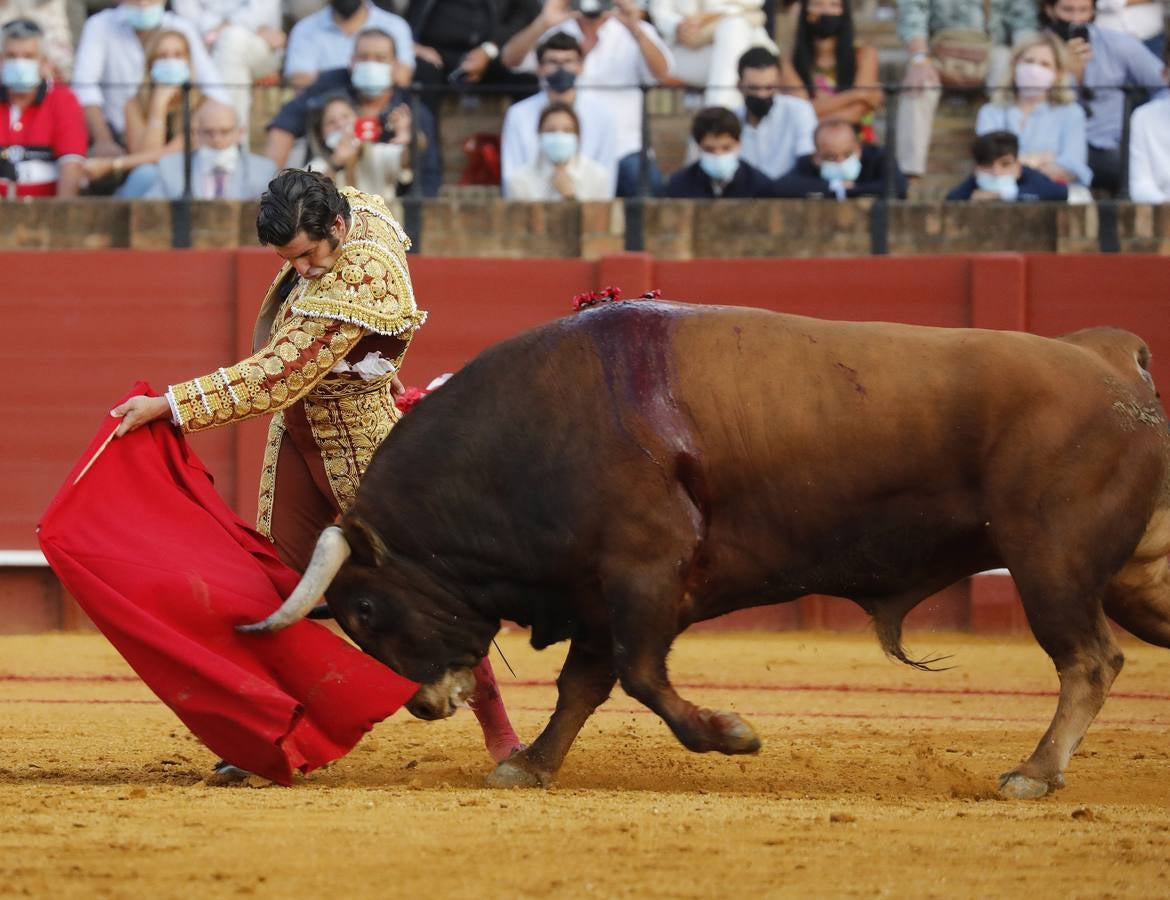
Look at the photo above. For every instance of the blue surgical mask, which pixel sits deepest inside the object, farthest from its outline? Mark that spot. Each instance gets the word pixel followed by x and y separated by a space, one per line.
pixel 1004 185
pixel 719 166
pixel 143 18
pixel 171 72
pixel 558 146
pixel 370 77
pixel 841 170
pixel 21 74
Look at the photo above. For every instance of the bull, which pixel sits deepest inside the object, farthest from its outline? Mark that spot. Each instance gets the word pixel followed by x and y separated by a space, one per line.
pixel 613 477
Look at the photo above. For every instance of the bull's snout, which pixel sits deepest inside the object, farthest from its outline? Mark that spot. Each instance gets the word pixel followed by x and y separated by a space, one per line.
pixel 441 698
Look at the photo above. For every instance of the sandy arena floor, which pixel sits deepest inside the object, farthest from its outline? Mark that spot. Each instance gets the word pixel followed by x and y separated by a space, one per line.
pixel 874 780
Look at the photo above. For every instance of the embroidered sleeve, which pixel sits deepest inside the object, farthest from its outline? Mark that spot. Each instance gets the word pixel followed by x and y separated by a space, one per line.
pixel 298 356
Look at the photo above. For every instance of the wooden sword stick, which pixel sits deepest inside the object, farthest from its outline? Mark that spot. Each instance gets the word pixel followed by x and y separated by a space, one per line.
pixel 93 459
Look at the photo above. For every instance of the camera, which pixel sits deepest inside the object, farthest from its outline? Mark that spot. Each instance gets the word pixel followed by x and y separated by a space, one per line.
pixel 367 129
pixel 591 7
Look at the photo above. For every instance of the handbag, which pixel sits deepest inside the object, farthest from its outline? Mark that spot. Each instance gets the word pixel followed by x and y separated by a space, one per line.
pixel 962 57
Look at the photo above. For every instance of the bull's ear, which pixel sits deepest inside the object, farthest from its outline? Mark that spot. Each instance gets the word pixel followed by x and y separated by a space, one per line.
pixel 368 547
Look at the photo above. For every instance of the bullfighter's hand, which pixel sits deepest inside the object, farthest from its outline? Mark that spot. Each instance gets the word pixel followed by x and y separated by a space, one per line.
pixel 397 388
pixel 138 411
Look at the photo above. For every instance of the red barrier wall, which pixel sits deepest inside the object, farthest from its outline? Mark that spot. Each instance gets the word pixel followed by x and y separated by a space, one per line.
pixel 84 325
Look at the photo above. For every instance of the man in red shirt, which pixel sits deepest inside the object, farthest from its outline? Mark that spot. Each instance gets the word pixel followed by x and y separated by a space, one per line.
pixel 42 128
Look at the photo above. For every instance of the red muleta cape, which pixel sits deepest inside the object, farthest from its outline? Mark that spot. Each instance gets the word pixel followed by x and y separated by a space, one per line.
pixel 165 570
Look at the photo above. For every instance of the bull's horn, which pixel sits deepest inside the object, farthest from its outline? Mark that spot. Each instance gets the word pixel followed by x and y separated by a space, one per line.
pixel 330 554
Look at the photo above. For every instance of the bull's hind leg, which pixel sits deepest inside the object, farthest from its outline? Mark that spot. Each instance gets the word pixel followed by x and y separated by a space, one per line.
pixel 1138 597
pixel 584 684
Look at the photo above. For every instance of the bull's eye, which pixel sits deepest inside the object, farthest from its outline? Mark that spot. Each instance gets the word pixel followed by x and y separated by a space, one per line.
pixel 365 609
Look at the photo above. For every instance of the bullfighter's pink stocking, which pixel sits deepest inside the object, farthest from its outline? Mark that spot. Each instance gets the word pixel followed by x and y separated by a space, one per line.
pixel 488 706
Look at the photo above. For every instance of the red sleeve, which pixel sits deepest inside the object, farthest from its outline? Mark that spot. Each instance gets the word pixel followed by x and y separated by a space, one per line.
pixel 69 133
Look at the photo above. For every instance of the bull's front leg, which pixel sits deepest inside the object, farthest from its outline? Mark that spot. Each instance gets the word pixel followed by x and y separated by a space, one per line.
pixel 584 684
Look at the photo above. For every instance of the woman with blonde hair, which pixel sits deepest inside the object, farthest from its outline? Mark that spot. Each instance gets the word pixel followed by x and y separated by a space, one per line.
pixel 1036 104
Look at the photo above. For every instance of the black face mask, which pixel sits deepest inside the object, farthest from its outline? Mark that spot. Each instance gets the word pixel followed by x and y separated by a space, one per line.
pixel 345 8
pixel 560 80
pixel 1066 31
pixel 826 26
pixel 758 106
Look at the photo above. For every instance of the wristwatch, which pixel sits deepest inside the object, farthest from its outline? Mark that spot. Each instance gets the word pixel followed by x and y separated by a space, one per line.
pixel 490 49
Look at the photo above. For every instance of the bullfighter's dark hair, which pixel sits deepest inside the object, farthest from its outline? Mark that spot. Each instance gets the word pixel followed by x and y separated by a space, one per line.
pixel 715 120
pixel 757 58
pixel 299 201
pixel 559 107
pixel 804 51
pixel 559 41
pixel 993 145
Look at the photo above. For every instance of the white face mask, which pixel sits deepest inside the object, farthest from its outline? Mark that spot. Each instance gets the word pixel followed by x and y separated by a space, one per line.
pixel 334 138
pixel 1004 185
pixel 227 158
pixel 558 146
pixel 841 170
pixel 1033 80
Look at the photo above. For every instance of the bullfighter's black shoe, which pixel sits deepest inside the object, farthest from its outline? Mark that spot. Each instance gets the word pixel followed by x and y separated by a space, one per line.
pixel 225 773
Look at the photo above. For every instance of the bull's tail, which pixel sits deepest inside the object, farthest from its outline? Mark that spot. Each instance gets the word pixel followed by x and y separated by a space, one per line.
pixel 887 624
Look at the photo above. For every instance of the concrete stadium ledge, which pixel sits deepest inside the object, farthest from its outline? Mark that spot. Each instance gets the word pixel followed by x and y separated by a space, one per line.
pixel 671 229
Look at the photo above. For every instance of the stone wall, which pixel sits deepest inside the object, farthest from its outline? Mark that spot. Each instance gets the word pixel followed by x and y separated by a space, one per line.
pixel 671 229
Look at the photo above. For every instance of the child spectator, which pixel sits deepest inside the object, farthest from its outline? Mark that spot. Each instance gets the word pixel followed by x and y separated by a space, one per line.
pixel 707 38
pixel 53 20
pixel 560 171
pixel 999 174
pixel 559 62
pixel 42 128
pixel 325 41
pixel 777 128
pixel 842 166
pixel 1149 152
pixel 839 77
pixel 1036 105
pixel 355 159
pixel 719 172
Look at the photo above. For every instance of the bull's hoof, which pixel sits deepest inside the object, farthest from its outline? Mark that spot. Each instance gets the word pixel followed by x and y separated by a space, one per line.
pixel 509 774
pixel 736 735
pixel 1015 786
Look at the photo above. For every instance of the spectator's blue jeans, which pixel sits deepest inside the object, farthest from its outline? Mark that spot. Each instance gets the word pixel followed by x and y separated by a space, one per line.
pixel 138 182
pixel 627 179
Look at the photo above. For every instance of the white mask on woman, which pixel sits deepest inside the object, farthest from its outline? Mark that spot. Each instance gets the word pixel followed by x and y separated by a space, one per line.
pixel 1033 80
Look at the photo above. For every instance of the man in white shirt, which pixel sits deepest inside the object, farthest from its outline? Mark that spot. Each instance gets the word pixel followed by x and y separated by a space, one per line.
pixel 620 50
pixel 111 62
pixel 245 40
pixel 1149 152
pixel 325 40
pixel 777 129
pixel 559 62
pixel 1142 20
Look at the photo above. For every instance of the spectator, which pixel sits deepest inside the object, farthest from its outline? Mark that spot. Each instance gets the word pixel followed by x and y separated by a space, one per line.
pixel 951 43
pixel 53 20
pixel 367 81
pixel 560 172
pixel 459 41
pixel 340 147
pixel 839 77
pixel 1035 104
pixel 777 128
pixel 1000 176
pixel 620 50
pixel 842 166
pixel 220 170
pixel 110 66
pixel 1101 63
pixel 1142 20
pixel 1149 152
pixel 42 128
pixel 244 38
pixel 719 172
pixel 559 62
pixel 325 41
pixel 707 38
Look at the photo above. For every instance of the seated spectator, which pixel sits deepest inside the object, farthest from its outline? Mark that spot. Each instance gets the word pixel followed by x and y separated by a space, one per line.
pixel 777 128
pixel 621 51
pixel 244 38
pixel 719 172
pixel 1142 20
pixel 558 67
pixel 707 38
pixel 560 172
pixel 1000 176
pixel 220 170
pixel 1101 63
pixel 42 127
pixel 1149 152
pixel 368 83
pixel 459 41
pixel 325 41
pixel 830 69
pixel 1036 105
pixel 950 44
pixel 342 146
pixel 53 20
pixel 111 63
pixel 842 166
